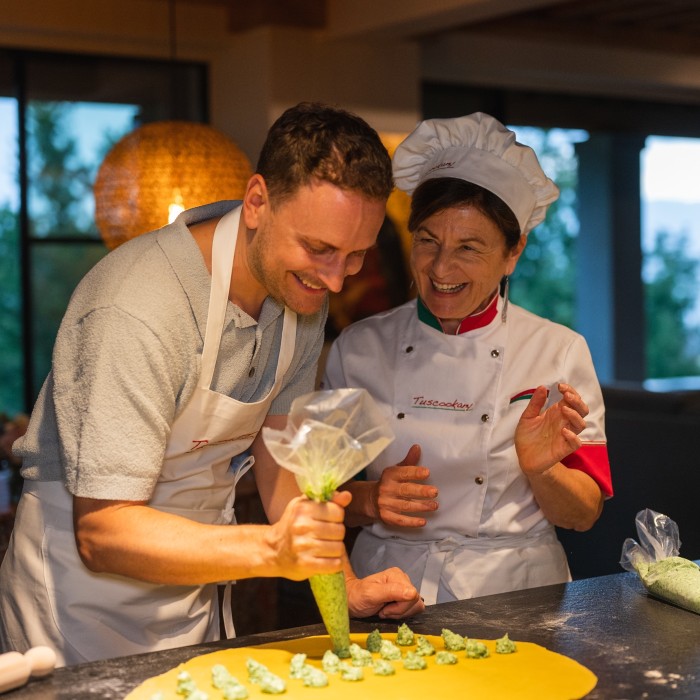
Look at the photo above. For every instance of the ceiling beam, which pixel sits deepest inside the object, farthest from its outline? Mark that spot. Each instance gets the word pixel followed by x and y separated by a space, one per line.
pixel 244 15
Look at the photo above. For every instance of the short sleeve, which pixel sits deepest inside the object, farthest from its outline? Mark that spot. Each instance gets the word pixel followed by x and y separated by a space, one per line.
pixel 592 457
pixel 115 394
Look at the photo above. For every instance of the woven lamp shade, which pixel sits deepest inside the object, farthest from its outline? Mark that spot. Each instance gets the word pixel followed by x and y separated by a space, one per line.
pixel 160 164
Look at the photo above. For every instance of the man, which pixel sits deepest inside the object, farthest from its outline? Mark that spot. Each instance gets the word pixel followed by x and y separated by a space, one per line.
pixel 175 350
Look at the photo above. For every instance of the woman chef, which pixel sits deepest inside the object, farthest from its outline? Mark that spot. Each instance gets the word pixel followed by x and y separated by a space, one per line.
pixel 464 377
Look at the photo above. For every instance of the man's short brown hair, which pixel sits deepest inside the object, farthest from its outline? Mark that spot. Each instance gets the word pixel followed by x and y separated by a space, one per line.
pixel 316 141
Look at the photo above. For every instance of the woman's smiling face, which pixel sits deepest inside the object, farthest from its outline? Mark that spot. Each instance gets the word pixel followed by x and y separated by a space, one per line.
pixel 458 258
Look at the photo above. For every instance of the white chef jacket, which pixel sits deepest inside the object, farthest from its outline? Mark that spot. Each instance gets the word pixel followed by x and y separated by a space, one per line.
pixel 460 397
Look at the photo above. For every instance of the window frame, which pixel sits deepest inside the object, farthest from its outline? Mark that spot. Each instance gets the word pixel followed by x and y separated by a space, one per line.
pixel 185 96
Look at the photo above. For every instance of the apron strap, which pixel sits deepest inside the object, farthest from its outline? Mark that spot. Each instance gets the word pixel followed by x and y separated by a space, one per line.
pixel 433 568
pixel 289 334
pixel 223 250
pixel 227 611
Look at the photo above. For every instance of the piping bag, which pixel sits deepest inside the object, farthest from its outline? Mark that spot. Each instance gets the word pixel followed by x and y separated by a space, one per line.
pixel 330 436
pixel 655 559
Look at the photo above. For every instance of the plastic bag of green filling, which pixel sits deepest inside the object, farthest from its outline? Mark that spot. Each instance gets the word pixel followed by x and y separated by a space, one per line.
pixel 330 436
pixel 655 558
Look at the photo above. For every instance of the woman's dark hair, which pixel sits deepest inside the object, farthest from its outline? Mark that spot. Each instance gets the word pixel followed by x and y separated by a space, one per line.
pixel 434 195
pixel 317 141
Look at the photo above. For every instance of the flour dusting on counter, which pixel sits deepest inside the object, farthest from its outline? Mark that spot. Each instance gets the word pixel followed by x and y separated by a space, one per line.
pixel 670 680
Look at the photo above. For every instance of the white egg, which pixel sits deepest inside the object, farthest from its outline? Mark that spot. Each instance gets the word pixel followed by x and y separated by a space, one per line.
pixel 14 670
pixel 42 660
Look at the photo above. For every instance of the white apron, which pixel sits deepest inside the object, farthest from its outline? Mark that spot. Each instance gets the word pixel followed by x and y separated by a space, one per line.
pixel 451 395
pixel 87 616
pixel 457 568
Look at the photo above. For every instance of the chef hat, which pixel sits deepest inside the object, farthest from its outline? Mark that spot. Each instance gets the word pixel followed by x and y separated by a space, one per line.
pixel 479 149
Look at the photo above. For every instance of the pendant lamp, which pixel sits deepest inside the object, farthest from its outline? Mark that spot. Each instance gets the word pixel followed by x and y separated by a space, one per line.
pixel 161 168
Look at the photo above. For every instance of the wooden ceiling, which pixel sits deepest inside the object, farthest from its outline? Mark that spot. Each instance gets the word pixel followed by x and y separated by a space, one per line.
pixel 248 14
pixel 658 25
pixel 663 25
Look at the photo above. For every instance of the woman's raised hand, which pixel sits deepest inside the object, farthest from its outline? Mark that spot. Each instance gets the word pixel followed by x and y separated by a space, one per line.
pixel 542 439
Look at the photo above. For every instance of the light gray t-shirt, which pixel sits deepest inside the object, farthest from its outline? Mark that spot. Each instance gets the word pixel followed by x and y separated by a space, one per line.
pixel 127 359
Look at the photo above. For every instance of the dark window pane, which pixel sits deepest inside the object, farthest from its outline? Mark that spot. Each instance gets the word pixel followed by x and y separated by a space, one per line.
pixel 11 362
pixel 162 89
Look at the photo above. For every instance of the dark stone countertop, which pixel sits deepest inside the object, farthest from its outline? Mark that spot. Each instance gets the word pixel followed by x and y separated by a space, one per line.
pixel 639 647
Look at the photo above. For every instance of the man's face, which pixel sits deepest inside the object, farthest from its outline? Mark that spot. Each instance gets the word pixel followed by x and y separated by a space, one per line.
pixel 310 242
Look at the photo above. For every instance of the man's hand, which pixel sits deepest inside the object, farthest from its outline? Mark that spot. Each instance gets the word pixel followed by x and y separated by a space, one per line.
pixel 308 538
pixel 397 493
pixel 544 439
pixel 388 594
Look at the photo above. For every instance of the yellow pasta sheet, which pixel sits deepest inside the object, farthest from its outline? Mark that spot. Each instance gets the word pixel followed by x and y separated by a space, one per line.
pixel 531 673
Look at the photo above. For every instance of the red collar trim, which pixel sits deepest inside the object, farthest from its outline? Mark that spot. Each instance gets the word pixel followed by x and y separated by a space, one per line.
pixel 470 323
pixel 481 319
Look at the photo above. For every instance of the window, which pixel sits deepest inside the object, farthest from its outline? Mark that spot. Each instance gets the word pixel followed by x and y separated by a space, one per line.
pixel 59 115
pixel 670 209
pixel 66 142
pixel 671 250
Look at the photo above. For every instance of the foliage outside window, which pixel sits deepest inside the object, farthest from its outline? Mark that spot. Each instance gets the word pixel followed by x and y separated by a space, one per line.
pixel 544 278
pixel 673 336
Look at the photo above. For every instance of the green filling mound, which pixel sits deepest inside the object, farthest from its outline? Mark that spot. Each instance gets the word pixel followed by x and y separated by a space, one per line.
pixel 674 579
